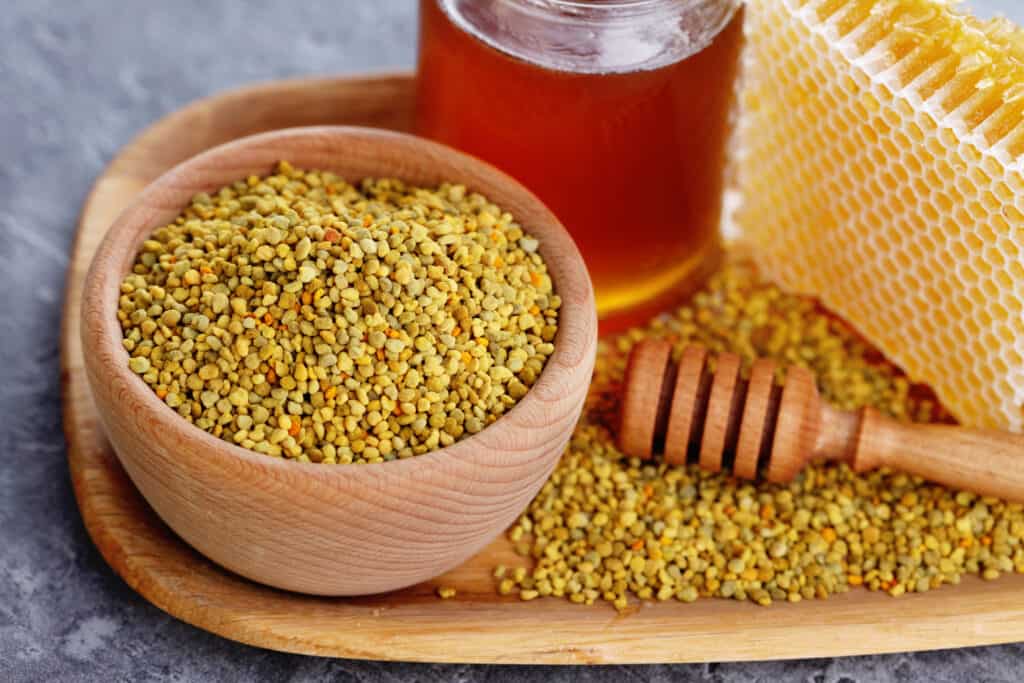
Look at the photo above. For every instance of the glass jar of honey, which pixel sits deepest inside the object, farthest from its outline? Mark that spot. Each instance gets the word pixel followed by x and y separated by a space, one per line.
pixel 615 113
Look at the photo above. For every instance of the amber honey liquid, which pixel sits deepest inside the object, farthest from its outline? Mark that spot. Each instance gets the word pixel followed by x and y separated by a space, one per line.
pixel 631 162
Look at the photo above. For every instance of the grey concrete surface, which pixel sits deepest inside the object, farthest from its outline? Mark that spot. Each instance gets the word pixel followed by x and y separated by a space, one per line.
pixel 78 80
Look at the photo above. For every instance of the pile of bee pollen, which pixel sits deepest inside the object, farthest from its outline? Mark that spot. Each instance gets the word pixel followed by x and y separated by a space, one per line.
pixel 606 527
pixel 303 317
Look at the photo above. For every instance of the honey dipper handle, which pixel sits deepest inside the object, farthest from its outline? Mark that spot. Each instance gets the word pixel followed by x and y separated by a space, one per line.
pixel 986 462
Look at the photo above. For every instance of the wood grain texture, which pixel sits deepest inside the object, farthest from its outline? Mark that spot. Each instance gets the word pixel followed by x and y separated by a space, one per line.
pixel 739 418
pixel 798 426
pixel 690 391
pixel 645 377
pixel 755 418
pixel 986 461
pixel 720 410
pixel 412 624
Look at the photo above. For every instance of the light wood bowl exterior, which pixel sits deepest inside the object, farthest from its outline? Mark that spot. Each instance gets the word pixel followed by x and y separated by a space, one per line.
pixel 343 529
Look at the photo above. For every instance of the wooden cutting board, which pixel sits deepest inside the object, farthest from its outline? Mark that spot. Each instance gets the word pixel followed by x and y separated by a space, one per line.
pixel 414 625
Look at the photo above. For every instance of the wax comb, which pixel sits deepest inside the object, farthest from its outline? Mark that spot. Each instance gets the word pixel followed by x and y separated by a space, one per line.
pixel 881 146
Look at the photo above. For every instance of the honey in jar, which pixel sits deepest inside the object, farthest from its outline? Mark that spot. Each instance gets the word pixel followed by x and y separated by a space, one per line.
pixel 616 114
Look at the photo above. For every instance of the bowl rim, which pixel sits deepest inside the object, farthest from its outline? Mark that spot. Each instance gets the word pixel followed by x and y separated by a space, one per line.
pixel 575 338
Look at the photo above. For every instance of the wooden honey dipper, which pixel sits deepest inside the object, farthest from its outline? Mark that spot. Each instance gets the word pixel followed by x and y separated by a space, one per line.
pixel 725 422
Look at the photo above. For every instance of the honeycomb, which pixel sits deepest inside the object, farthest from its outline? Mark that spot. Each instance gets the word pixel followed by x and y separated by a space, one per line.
pixel 881 171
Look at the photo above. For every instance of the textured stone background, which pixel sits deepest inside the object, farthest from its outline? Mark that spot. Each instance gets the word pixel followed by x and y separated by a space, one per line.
pixel 78 80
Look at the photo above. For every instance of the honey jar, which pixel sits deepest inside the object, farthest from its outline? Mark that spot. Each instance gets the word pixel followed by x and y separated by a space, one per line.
pixel 616 114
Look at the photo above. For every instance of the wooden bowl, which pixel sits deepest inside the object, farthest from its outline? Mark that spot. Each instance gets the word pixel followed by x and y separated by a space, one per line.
pixel 336 529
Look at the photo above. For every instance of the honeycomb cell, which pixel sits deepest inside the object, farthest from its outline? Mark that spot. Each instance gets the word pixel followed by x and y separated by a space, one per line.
pixel 991 165
pixel 1004 195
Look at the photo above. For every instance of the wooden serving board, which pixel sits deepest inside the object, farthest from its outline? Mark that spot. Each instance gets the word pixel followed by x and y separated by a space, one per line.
pixel 414 625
